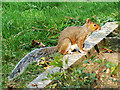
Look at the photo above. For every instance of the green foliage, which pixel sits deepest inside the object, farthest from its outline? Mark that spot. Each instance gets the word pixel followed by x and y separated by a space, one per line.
pixel 107 64
pixel 77 77
pixel 73 78
pixel 57 61
pixel 23 22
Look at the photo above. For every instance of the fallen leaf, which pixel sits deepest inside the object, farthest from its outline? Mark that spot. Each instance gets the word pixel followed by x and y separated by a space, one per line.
pixel 41 44
pixel 47 67
pixel 108 71
pixel 80 7
pixel 94 16
pixel 34 42
pixel 34 85
pixel 33 27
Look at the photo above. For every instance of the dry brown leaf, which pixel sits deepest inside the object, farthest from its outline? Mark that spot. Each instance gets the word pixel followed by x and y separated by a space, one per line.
pixel 35 85
pixel 94 16
pixel 47 67
pixel 41 44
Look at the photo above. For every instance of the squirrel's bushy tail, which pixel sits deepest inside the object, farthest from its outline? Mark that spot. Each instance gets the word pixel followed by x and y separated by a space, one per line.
pixel 33 56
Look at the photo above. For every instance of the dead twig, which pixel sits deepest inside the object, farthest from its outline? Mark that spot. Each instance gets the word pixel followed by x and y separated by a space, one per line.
pixel 29 30
pixel 20 33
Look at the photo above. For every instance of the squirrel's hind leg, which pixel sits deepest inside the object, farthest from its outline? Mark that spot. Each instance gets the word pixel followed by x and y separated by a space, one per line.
pixel 64 46
pixel 72 48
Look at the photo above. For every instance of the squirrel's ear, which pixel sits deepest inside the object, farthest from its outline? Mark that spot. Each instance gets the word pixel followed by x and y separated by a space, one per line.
pixel 88 21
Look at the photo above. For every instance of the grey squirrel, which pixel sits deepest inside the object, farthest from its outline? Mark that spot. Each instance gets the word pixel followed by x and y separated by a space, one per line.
pixel 69 37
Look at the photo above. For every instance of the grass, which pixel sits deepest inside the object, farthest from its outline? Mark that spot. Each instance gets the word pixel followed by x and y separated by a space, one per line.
pixel 23 22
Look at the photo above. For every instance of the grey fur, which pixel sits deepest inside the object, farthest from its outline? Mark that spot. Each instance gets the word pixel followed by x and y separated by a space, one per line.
pixel 33 56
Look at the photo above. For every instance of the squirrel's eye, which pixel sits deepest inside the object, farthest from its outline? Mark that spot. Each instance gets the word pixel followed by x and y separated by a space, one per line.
pixel 94 25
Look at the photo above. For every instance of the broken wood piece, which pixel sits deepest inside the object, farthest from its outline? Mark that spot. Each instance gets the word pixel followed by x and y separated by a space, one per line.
pixel 39 82
pixel 112 42
pixel 111 57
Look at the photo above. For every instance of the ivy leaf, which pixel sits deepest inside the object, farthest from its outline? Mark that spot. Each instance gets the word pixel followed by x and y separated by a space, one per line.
pixel 98 61
pixel 66 61
pixel 112 64
pixel 107 65
pixel 92 57
pixel 102 60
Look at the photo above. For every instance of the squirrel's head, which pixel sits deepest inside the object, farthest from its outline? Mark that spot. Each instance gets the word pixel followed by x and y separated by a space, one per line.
pixel 92 26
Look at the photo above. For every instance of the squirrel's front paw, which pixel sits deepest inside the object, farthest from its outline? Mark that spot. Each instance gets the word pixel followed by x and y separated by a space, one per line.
pixel 70 52
pixel 83 51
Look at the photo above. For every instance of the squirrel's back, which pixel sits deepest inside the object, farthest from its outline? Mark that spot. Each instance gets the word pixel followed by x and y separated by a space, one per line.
pixel 71 33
